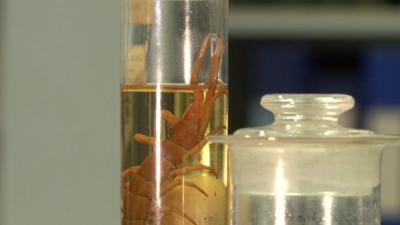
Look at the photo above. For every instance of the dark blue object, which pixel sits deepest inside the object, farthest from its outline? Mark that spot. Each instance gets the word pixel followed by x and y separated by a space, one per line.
pixel 381 75
pixel 282 69
pixel 391 221
pixel 274 69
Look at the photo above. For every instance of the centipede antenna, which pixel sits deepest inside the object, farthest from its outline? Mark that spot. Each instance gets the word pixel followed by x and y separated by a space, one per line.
pixel 200 60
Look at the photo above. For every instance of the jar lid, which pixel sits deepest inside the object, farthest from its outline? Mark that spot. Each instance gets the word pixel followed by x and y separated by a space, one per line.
pixel 306 118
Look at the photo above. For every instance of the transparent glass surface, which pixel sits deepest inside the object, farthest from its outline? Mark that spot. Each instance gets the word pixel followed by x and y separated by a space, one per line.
pixel 174 95
pixel 306 185
pixel 305 169
pixel 163 39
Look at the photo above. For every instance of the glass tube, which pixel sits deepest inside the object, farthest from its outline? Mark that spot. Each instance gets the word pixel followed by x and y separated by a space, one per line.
pixel 174 94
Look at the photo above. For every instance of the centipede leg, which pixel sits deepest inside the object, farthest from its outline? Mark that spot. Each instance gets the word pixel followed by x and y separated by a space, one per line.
pixel 189 155
pixel 141 138
pixel 130 171
pixel 125 194
pixel 180 182
pixel 169 117
pixel 221 90
pixel 211 102
pixel 124 174
pixel 189 169
pixel 169 209
pixel 134 222
pixel 217 130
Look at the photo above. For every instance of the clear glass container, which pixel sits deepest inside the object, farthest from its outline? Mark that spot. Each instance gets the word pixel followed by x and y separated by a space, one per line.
pixel 305 169
pixel 174 95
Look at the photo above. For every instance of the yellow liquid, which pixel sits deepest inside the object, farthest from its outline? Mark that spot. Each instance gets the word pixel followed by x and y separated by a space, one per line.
pixel 141 107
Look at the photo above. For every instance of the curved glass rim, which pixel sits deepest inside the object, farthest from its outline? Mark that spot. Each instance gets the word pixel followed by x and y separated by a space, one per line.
pixel 306 119
pixel 384 140
pixel 308 98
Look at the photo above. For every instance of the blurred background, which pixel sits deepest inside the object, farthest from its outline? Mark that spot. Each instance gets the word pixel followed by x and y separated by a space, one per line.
pixel 60 61
pixel 321 46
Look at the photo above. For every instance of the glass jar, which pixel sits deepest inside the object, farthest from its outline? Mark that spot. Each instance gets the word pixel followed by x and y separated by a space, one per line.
pixel 305 169
pixel 174 94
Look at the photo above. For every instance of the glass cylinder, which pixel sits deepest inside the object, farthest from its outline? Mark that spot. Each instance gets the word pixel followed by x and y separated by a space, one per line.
pixel 305 169
pixel 306 185
pixel 174 94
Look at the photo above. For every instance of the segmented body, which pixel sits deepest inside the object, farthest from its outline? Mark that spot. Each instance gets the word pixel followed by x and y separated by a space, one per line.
pixel 144 187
